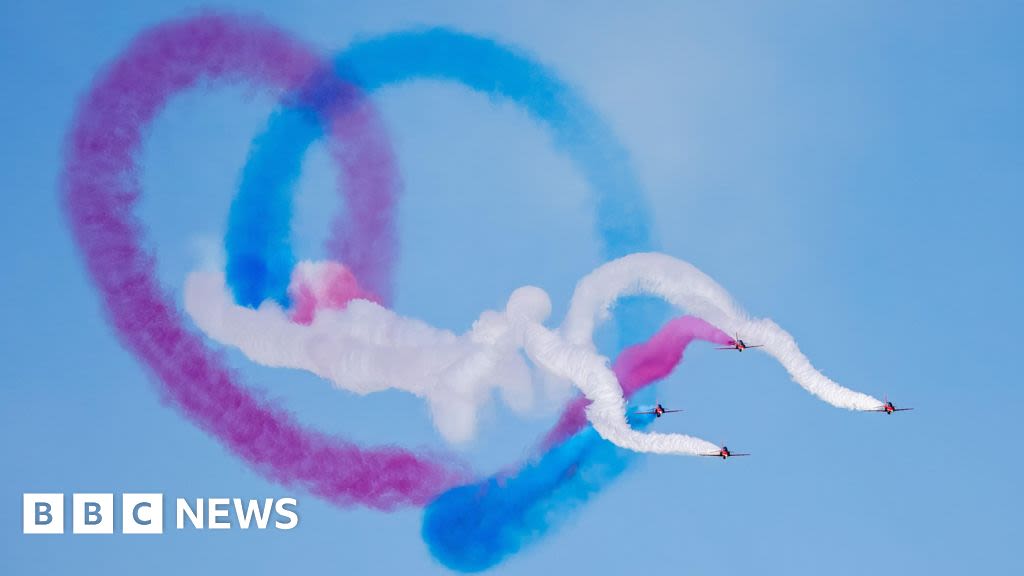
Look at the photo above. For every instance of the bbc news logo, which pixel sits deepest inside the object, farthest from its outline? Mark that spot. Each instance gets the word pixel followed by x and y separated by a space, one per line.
pixel 144 513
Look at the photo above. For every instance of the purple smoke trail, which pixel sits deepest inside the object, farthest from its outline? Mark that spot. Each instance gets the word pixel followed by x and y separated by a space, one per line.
pixel 101 187
pixel 640 365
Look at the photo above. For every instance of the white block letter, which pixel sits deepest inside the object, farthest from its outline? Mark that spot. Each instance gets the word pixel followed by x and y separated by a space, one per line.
pixel 92 514
pixel 291 515
pixel 142 513
pixel 218 509
pixel 195 517
pixel 42 514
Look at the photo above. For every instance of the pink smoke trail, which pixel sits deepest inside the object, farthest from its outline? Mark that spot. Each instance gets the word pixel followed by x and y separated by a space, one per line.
pixel 101 188
pixel 640 365
pixel 323 286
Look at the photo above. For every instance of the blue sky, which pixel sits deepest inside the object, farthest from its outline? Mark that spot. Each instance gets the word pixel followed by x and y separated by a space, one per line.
pixel 852 171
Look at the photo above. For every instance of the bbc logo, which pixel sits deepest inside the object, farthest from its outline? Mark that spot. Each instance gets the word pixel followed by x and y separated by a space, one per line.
pixel 93 513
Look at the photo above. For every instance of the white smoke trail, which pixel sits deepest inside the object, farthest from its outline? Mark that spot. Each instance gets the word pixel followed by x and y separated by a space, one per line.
pixel 366 348
pixel 688 289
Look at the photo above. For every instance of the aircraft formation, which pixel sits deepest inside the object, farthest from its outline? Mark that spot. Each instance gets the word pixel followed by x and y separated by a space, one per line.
pixel 724 453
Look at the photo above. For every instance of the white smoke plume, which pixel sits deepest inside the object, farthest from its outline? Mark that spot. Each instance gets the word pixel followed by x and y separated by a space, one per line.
pixel 366 348
pixel 688 289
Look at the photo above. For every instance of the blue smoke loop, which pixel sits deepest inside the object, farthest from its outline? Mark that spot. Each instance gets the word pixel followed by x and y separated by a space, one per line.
pixel 472 527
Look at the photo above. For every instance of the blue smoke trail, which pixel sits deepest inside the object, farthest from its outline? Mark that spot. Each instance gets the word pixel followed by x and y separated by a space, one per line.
pixel 471 527
pixel 474 527
pixel 258 240
pixel 260 258
pixel 495 70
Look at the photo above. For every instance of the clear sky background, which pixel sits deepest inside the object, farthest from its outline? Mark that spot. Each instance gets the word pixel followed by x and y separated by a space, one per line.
pixel 854 171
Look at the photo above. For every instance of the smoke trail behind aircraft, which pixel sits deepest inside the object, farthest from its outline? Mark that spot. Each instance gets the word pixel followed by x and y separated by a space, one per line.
pixel 367 348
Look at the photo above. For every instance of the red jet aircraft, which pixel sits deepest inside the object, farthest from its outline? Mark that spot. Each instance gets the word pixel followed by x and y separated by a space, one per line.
pixel 888 408
pixel 723 453
pixel 738 344
pixel 658 411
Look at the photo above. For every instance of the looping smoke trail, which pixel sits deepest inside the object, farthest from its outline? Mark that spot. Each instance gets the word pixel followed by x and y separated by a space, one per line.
pixel 474 527
pixel 687 288
pixel 554 482
pixel 101 189
pixel 479 64
pixel 260 258
pixel 640 365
